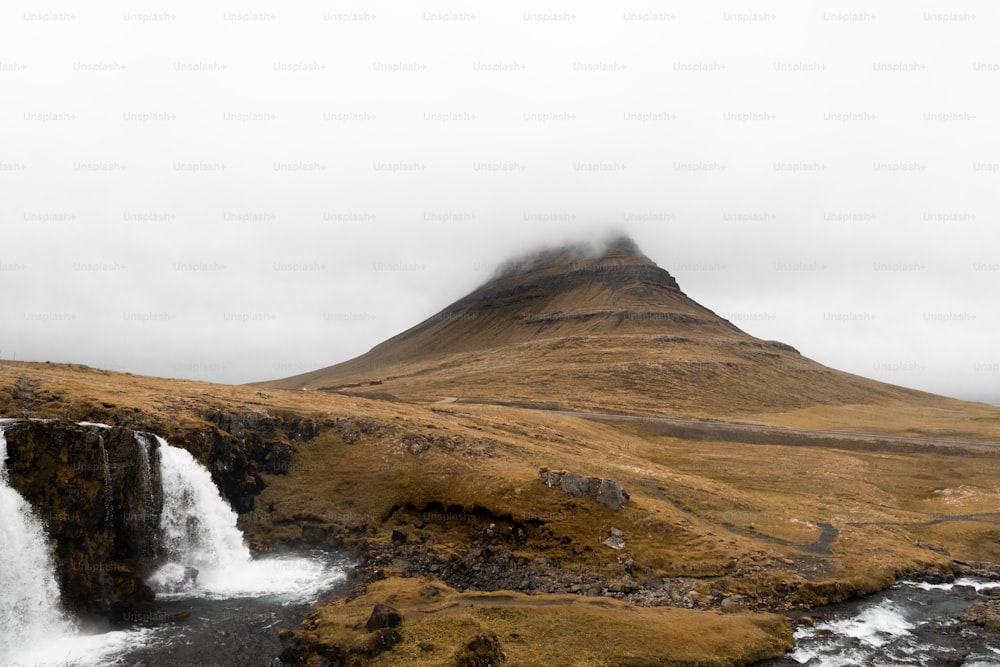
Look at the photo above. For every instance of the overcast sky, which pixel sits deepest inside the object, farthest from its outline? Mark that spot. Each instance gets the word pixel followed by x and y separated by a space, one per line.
pixel 245 191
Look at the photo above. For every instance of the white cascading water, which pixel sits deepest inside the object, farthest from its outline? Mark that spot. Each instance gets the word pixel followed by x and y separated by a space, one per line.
pixel 145 471
pixel 108 492
pixel 198 528
pixel 29 595
pixel 205 552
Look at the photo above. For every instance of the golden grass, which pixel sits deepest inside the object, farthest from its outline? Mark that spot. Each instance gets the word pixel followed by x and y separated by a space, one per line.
pixel 936 417
pixel 740 517
pixel 552 630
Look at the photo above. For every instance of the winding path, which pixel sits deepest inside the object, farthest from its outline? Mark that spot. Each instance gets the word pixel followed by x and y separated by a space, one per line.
pixel 711 427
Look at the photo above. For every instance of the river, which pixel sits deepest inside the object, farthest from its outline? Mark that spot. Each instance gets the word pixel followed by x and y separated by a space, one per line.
pixel 911 623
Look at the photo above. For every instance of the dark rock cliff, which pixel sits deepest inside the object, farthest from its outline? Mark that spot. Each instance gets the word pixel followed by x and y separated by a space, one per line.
pixel 98 492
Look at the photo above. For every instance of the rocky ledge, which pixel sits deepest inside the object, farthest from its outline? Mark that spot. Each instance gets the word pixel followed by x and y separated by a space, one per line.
pixel 98 492
pixel 607 492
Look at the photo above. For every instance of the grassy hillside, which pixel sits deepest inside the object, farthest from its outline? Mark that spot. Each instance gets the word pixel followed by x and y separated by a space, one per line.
pixel 784 526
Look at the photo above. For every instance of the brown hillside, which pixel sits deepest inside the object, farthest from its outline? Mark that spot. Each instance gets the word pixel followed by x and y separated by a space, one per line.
pixel 446 511
pixel 594 329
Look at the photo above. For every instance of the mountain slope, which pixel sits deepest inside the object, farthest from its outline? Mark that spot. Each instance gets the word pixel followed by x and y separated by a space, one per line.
pixel 601 329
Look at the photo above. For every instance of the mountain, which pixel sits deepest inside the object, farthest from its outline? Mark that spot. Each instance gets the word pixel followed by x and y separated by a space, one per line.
pixel 489 529
pixel 593 328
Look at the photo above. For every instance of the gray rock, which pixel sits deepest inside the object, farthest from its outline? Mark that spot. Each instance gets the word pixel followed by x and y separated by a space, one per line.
pixel 347 431
pixel 417 444
pixel 607 492
pixel 574 485
pixel 611 494
pixel 986 614
pixel 551 479
pixel 615 540
pixel 733 604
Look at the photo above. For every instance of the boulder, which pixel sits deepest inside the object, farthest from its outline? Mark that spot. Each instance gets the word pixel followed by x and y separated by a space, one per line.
pixel 417 444
pixel 383 616
pixel 574 485
pixel 986 614
pixel 483 650
pixel 611 494
pixel 615 540
pixel 608 492
pixel 733 604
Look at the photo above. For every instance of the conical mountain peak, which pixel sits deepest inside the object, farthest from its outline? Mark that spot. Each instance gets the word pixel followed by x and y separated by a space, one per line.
pixel 615 252
pixel 611 269
pixel 590 325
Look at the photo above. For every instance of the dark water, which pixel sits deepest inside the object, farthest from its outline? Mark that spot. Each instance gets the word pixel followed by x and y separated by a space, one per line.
pixel 226 633
pixel 232 632
pixel 908 624
pixel 234 624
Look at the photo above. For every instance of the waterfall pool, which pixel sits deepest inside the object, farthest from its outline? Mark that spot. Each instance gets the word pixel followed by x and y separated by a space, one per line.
pixel 199 628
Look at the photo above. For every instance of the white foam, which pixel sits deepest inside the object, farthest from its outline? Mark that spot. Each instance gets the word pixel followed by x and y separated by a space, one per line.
pixel 97 424
pixel 29 595
pixel 290 579
pixel 875 625
pixel 81 650
pixel 828 656
pixel 978 584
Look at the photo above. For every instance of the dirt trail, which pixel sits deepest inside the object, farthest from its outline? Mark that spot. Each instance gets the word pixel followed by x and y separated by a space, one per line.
pixel 764 434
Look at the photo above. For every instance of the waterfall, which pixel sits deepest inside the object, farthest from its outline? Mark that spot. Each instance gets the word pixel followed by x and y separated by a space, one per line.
pixel 198 528
pixel 145 514
pixel 204 550
pixel 29 595
pixel 108 492
pixel 202 555
pixel 145 472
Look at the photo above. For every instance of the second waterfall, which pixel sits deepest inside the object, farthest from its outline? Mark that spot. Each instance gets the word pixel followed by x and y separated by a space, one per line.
pixel 204 551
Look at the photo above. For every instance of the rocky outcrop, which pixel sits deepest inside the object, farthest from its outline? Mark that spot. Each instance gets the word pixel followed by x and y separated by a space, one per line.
pixel 350 646
pixel 615 539
pixel 97 490
pixel 977 569
pixel 607 492
pixel 383 616
pixel 611 494
pixel 483 650
pixel 417 444
pixel 242 447
pixel 986 614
